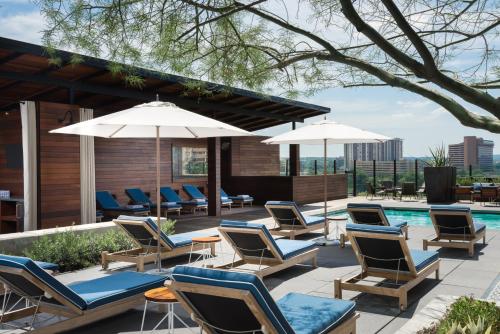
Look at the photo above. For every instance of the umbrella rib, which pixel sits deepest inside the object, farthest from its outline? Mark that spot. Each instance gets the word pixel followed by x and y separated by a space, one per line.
pixel 192 132
pixel 118 130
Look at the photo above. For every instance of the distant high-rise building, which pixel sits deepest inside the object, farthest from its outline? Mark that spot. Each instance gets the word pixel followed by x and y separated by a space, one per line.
pixel 389 150
pixel 474 151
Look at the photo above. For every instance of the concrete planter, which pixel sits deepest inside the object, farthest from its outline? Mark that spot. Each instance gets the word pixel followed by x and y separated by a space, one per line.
pixel 440 183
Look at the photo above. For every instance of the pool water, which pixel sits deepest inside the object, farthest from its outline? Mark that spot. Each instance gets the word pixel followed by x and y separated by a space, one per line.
pixel 422 218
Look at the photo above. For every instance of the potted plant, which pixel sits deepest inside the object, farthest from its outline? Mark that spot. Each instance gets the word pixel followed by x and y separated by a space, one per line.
pixel 440 178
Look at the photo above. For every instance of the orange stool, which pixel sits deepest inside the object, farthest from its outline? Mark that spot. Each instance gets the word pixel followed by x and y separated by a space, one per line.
pixel 162 295
pixel 208 249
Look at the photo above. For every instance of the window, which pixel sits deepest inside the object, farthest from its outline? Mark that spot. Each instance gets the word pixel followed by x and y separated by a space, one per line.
pixel 189 161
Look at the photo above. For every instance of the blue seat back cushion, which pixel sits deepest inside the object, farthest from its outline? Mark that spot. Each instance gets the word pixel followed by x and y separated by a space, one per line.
pixel 22 284
pixel 193 191
pixel 312 314
pixel 108 289
pixel 170 195
pixel 138 196
pixel 378 252
pixel 286 216
pixel 251 244
pixel 223 193
pixel 141 234
pixel 452 224
pixel 229 313
pixel 106 201
pixel 367 217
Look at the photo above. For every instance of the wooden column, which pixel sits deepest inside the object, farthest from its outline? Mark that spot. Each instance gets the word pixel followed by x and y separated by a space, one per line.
pixel 294 157
pixel 214 182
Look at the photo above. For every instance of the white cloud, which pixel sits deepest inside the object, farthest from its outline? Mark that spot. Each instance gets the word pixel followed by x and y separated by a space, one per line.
pixel 24 27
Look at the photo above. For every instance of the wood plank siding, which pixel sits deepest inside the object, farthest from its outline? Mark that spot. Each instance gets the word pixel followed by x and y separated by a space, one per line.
pixel 11 171
pixel 59 168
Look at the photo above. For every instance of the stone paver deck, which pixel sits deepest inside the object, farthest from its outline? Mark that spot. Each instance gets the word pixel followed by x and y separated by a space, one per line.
pixel 460 275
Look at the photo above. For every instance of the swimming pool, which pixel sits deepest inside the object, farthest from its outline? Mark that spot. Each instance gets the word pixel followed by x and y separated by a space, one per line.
pixel 421 217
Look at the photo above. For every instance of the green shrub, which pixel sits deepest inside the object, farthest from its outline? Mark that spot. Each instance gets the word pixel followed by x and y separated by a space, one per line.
pixel 468 316
pixel 74 251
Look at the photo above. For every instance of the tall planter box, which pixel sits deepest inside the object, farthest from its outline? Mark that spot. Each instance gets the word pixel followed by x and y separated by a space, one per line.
pixel 440 183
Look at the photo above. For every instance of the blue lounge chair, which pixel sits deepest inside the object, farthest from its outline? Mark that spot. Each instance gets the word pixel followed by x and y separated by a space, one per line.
pixel 373 214
pixel 111 208
pixel 254 244
pixel 234 302
pixel 454 225
pixel 291 221
pixel 197 195
pixel 239 199
pixel 139 197
pixel 80 303
pixel 144 231
pixel 170 195
pixel 382 251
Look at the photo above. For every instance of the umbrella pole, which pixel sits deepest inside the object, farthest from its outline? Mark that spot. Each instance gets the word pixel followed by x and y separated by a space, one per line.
pixel 325 182
pixel 158 199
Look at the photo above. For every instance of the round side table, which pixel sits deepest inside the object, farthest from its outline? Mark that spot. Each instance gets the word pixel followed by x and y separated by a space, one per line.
pixel 163 296
pixel 208 251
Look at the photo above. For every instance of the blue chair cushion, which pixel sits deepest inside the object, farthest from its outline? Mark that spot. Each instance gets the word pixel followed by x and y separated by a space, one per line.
pixel 138 196
pixel 312 315
pixel 31 267
pixel 364 206
pixel 106 201
pixel 291 248
pixel 194 192
pixel 226 201
pixel 449 208
pixel 313 220
pixel 183 239
pixel 423 258
pixel 479 227
pixel 47 265
pixel 105 290
pixel 170 195
pixel 241 198
pixel 373 228
pixel 236 280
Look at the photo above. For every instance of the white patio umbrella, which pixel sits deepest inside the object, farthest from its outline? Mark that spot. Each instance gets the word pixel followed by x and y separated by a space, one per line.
pixel 154 120
pixel 326 132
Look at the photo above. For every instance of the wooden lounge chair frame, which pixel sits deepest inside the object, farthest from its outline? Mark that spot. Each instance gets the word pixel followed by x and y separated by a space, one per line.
pixel 75 316
pixel 273 265
pixel 146 254
pixel 412 277
pixel 382 217
pixel 291 230
pixel 452 240
pixel 178 288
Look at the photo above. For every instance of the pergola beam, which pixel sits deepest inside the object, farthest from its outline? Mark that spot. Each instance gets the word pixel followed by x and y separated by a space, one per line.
pixel 183 102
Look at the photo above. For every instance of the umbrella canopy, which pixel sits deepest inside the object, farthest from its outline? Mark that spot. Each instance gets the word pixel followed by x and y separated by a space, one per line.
pixel 143 120
pixel 323 133
pixel 333 132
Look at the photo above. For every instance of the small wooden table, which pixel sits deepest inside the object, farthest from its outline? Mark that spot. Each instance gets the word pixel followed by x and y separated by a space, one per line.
pixel 164 296
pixel 208 249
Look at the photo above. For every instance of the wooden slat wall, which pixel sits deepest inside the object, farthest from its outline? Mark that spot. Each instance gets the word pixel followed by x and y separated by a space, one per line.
pixel 59 162
pixel 309 189
pixel 250 157
pixel 131 163
pixel 10 133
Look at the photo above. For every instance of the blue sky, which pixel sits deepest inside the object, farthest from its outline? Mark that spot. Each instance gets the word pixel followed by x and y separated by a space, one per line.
pixel 389 111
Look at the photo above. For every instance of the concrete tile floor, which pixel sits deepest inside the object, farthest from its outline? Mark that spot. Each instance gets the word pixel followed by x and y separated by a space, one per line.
pixel 459 275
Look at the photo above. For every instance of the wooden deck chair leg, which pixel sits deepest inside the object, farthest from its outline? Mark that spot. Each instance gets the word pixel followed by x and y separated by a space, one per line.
pixel 140 264
pixel 212 249
pixel 437 273
pixel 104 260
pixel 471 249
pixel 406 232
pixel 337 288
pixel 314 262
pixel 403 299
pixel 425 245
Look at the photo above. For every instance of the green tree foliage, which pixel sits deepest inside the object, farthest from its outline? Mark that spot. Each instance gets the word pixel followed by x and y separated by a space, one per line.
pixel 300 46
